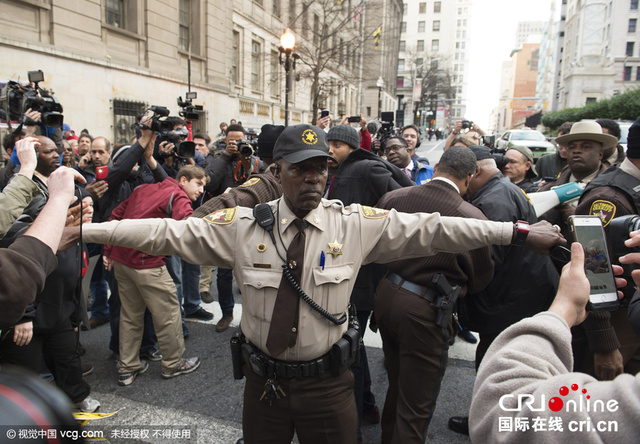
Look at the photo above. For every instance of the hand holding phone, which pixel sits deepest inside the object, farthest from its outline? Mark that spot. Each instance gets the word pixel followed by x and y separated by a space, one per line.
pixel 588 231
pixel 324 113
pixel 102 172
pixel 354 119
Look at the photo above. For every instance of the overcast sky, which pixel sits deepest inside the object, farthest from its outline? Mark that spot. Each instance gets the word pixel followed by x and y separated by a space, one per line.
pixel 492 33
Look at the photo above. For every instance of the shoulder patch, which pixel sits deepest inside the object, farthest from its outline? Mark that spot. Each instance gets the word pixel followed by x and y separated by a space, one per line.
pixel 222 217
pixel 250 182
pixel 526 195
pixel 373 213
pixel 604 209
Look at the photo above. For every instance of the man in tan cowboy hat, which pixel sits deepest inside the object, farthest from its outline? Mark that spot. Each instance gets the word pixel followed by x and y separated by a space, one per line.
pixel 585 144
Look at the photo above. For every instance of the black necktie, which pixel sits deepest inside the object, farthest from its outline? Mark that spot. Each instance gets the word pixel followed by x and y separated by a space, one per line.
pixel 283 331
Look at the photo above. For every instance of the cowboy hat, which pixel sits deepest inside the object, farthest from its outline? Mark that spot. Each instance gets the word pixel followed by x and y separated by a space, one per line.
pixel 588 130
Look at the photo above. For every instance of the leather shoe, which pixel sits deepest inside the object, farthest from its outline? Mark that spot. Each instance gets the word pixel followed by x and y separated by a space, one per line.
pixel 459 424
pixel 95 322
pixel 372 415
pixel 240 441
pixel 223 323
pixel 201 313
pixel 206 297
pixel 468 336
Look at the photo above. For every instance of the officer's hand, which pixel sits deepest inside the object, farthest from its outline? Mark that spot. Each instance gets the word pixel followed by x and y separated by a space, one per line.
pixel 542 236
pixel 70 235
pixel 608 365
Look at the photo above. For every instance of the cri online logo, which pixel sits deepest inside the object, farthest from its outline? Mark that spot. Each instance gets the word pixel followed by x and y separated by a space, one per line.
pixel 556 404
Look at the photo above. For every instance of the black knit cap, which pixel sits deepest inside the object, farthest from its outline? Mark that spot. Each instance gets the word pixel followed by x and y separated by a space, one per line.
pixel 345 134
pixel 298 143
pixel 267 139
pixel 633 140
pixel 481 152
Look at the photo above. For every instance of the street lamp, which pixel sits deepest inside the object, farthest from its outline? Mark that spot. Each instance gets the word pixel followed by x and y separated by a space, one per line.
pixel 380 85
pixel 287 43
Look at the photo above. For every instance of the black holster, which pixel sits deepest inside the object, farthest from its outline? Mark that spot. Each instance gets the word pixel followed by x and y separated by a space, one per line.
pixel 236 354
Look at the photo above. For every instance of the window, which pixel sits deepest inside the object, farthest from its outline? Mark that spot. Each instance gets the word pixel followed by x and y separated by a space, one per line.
pixel 420 46
pixel 403 45
pixel 421 26
pixel 638 74
pixel 400 64
pixel 404 8
pixel 629 51
pixel 422 8
pixel 634 4
pixel 276 8
pixel 627 73
pixel 316 29
pixel 437 6
pixel 274 83
pixel 457 45
pixel 419 62
pixel 403 27
pixel 462 45
pixel 183 24
pixel 258 2
pixel 632 25
pixel 114 13
pixel 235 58
pixel 400 82
pixel 455 67
pixel 124 116
pixel 255 66
pixel 341 51
pixel 434 63
pixel 292 14
pixel 435 45
pixel 590 100
pixel 436 25
pixel 305 21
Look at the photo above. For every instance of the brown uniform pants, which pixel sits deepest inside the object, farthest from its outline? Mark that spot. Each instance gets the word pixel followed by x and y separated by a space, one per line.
pixel 321 410
pixel 416 353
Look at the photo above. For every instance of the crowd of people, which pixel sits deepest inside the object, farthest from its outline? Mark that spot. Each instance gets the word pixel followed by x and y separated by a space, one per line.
pixel 419 252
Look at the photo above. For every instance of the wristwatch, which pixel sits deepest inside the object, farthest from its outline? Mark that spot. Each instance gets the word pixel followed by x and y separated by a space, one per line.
pixel 520 232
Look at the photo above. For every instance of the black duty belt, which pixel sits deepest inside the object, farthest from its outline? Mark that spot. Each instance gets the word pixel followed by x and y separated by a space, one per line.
pixel 424 292
pixel 265 366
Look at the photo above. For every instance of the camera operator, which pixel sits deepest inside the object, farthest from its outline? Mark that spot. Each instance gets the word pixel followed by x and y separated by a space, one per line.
pixel 168 147
pixel 466 127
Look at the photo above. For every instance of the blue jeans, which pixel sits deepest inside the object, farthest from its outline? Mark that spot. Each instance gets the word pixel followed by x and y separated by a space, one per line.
pixel 99 286
pixel 186 276
pixel 149 339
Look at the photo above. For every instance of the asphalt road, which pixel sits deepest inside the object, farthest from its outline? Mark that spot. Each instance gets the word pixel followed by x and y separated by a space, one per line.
pixel 206 406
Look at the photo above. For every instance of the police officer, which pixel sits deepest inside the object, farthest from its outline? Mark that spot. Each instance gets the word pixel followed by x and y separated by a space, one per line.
pixel 605 344
pixel 300 387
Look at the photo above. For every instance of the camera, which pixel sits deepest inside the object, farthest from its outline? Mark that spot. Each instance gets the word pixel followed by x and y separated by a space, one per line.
pixel 245 148
pixel 489 140
pixel 189 110
pixel 184 149
pixel 386 128
pixel 157 125
pixel 467 124
pixel 17 99
pixel 619 229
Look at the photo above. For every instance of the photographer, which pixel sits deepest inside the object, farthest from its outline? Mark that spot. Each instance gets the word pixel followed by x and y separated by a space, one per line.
pixel 466 127
pixel 534 357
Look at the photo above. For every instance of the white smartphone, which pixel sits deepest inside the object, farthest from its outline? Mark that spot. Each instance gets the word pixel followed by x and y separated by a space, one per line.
pixel 588 231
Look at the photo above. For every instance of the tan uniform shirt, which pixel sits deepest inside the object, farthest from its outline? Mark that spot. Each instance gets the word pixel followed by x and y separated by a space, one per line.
pixel 350 237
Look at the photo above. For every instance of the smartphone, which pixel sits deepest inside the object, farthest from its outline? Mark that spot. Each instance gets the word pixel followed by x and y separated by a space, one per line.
pixel 588 231
pixel 102 172
pixel 354 119
pixel 324 113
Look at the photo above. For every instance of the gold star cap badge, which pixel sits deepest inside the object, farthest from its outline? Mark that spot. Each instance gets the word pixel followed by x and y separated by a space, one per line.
pixel 335 248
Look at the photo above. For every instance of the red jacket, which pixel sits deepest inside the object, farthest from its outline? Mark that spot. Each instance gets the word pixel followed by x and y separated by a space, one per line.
pixel 148 201
pixel 365 139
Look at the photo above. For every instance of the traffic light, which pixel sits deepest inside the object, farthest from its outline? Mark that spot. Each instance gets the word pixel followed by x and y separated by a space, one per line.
pixel 376 36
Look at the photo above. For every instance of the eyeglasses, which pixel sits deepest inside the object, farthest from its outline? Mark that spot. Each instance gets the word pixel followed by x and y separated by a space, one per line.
pixel 395 148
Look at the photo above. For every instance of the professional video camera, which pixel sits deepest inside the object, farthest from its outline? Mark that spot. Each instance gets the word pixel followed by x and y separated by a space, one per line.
pixel 619 229
pixel 15 99
pixel 189 110
pixel 386 128
pixel 184 149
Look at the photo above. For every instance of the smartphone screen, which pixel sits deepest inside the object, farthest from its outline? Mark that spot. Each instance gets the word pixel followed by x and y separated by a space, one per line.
pixel 588 231
pixel 324 113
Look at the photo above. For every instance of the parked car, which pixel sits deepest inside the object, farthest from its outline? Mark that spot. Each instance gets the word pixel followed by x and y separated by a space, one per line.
pixel 534 140
pixel 624 132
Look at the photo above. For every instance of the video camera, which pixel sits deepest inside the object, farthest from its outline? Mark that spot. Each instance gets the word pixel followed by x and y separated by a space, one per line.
pixel 189 110
pixel 15 99
pixel 619 230
pixel 184 149
pixel 386 128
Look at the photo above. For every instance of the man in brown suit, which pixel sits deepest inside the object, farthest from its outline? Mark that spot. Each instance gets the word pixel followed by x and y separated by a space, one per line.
pixel 412 341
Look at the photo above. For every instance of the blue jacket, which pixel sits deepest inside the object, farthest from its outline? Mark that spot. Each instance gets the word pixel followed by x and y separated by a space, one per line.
pixel 421 173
